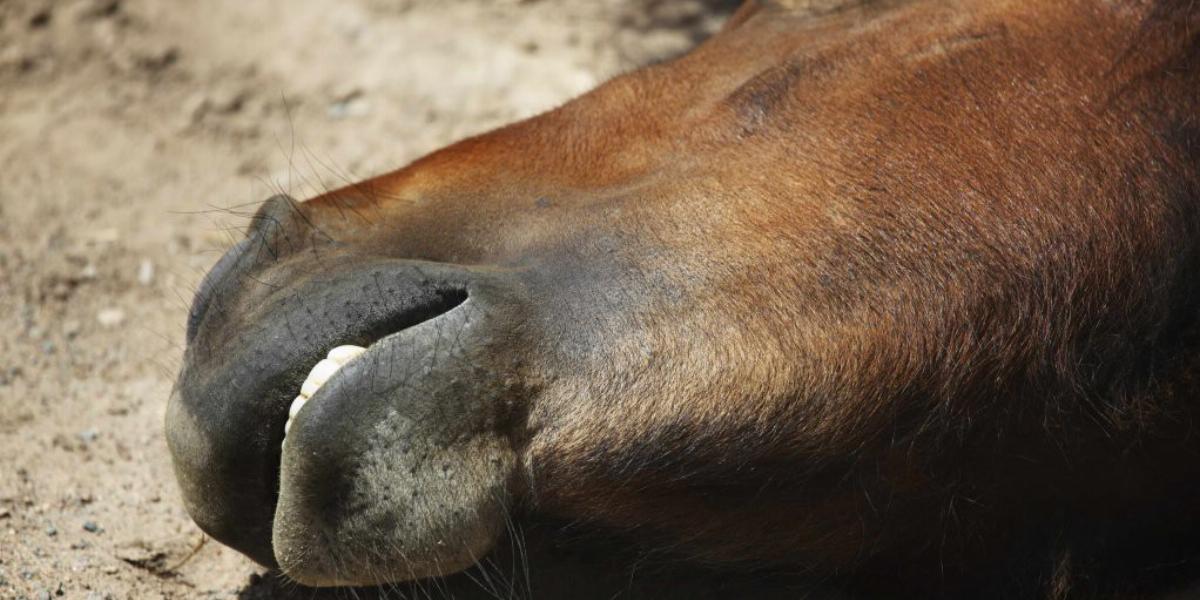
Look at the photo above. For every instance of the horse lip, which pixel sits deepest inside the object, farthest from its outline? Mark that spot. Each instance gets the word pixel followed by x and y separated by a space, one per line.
pixel 401 380
pixel 226 414
pixel 453 303
pixel 192 452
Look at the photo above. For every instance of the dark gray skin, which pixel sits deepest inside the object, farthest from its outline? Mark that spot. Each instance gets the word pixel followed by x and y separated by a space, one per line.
pixel 408 392
pixel 414 443
pixel 901 293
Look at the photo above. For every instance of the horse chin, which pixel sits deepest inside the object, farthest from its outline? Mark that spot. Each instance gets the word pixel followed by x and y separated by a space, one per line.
pixel 405 523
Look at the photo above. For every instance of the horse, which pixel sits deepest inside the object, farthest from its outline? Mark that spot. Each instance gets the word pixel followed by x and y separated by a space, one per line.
pixel 899 297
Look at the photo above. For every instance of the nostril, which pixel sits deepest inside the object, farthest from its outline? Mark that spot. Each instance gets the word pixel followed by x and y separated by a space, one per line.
pixel 440 302
pixel 269 217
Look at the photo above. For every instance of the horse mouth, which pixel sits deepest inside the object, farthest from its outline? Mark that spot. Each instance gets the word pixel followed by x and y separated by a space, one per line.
pixel 329 369
pixel 227 415
pixel 395 462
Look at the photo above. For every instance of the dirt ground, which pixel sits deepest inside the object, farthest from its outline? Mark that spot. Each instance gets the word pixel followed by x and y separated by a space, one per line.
pixel 135 138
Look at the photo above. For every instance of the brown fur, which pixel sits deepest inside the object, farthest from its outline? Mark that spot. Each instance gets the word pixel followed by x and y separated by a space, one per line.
pixel 899 292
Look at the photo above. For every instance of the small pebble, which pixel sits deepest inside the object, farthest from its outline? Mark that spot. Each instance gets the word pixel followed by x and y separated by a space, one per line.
pixel 88 436
pixel 145 273
pixel 351 104
pixel 51 530
pixel 111 317
pixel 40 19
pixel 91 527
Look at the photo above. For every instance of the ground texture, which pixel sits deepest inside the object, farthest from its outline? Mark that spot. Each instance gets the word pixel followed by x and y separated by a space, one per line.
pixel 136 136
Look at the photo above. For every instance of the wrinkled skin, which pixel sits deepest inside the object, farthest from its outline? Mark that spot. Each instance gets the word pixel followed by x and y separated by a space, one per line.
pixel 895 291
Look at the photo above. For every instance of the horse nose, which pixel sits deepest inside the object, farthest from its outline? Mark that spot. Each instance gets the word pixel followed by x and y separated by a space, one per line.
pixel 273 217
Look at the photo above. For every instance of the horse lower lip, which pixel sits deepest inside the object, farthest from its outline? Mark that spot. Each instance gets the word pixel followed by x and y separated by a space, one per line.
pixel 400 411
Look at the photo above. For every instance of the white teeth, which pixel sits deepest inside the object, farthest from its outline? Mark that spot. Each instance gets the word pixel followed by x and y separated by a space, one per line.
pixel 320 373
pixel 342 354
pixel 297 404
pixel 318 376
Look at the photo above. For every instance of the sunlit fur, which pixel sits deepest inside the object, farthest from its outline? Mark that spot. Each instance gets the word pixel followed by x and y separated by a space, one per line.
pixel 899 293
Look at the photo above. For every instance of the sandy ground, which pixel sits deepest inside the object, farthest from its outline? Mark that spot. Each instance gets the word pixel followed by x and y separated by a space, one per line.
pixel 135 138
